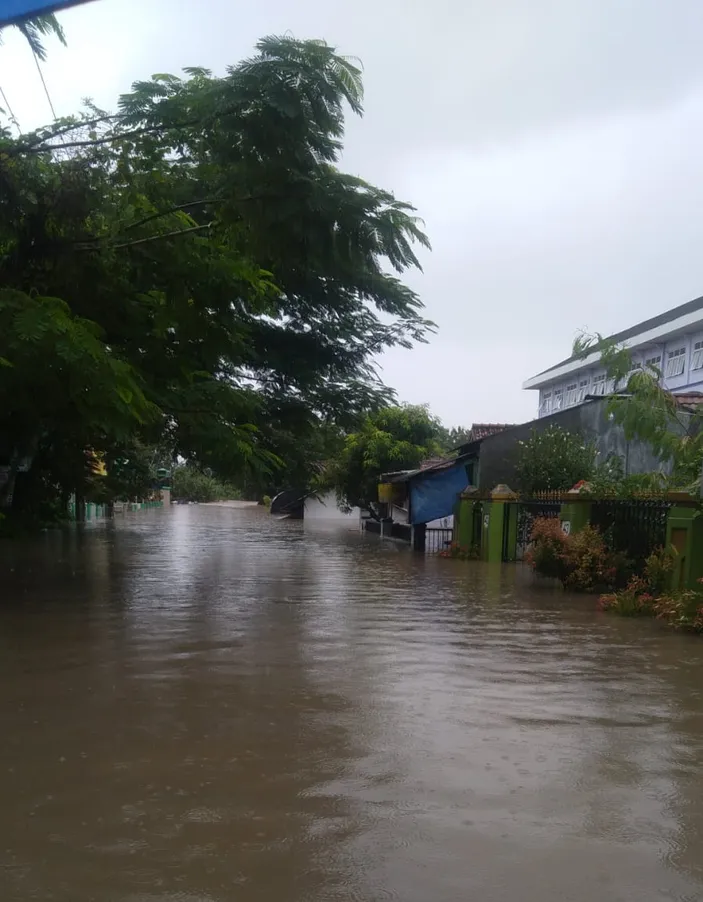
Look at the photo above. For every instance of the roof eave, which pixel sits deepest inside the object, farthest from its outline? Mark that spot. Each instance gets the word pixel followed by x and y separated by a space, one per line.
pixel 657 334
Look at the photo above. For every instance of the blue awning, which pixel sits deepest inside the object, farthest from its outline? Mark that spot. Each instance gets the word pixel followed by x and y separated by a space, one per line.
pixel 434 495
pixel 16 10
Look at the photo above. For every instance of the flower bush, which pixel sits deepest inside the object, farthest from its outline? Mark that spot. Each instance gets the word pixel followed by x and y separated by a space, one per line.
pixel 581 561
pixel 461 552
pixel 547 551
pixel 646 596
pixel 635 600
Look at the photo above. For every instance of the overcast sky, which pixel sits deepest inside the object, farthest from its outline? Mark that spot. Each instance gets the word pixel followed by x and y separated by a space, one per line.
pixel 553 148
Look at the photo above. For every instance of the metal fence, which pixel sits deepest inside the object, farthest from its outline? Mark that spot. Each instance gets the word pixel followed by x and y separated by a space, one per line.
pixel 529 510
pixel 634 527
pixel 402 531
pixel 477 525
pixel 437 540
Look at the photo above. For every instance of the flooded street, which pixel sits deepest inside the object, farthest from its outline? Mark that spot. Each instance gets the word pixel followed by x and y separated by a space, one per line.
pixel 206 704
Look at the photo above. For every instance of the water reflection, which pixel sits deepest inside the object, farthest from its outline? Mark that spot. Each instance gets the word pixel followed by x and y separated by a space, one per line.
pixel 209 704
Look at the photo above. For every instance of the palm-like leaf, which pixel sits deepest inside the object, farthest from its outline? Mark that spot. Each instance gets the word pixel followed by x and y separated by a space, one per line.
pixel 37 28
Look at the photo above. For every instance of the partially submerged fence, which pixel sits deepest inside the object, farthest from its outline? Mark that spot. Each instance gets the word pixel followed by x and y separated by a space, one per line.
pixel 528 511
pixel 438 539
pixel 632 526
pixel 428 539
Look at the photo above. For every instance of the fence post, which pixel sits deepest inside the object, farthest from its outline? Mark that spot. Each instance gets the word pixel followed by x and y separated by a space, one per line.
pixel 576 513
pixel 419 536
pixel 494 523
pixel 463 519
pixel 510 515
pixel 684 530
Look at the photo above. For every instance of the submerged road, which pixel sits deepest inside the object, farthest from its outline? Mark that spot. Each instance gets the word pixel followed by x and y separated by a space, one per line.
pixel 205 704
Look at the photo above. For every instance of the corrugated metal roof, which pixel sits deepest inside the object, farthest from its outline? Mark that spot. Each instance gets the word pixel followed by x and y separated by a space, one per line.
pixel 406 475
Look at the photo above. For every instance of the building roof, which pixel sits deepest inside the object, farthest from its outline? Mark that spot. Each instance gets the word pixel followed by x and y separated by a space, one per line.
pixel 689 399
pixel 653 329
pixel 477 433
pixel 424 469
pixel 480 431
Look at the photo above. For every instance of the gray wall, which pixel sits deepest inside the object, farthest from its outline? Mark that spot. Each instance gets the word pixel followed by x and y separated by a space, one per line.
pixel 498 454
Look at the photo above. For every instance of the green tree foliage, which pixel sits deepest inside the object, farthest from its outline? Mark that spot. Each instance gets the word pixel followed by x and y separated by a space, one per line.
pixel 132 472
pixel 37 28
pixel 190 483
pixel 553 459
pixel 197 272
pixel 650 413
pixel 391 439
pixel 451 439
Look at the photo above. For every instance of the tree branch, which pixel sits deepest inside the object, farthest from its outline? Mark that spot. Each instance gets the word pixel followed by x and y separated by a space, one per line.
pixel 198 228
pixel 193 203
pixel 63 130
pixel 94 142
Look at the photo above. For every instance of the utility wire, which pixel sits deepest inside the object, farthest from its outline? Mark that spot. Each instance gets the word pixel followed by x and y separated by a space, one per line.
pixel 13 118
pixel 46 90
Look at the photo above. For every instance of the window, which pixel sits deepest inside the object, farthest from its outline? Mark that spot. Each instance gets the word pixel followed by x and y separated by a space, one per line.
pixel 697 356
pixel 558 399
pixel 653 363
pixel 546 405
pixel 675 362
pixel 598 387
pixel 571 391
pixel 582 391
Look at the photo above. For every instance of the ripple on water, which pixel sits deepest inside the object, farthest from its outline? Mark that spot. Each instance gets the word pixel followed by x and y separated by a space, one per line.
pixel 211 704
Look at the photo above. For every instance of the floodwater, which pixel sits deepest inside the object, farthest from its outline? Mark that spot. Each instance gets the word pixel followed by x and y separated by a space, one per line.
pixel 206 704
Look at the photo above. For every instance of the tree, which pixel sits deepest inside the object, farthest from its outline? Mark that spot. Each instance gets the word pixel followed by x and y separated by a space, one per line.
pixel 392 439
pixel 190 483
pixel 453 438
pixel 203 252
pixel 553 459
pixel 650 413
pixel 35 29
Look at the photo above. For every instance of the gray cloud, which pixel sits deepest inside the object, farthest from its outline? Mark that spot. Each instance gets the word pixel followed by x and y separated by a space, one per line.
pixel 551 147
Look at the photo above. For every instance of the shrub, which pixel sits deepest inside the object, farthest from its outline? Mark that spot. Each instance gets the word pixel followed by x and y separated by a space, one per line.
pixel 553 458
pixel 634 600
pixel 590 566
pixel 189 483
pixel 581 561
pixel 658 568
pixel 461 552
pixel 546 554
pixel 645 595
pixel 681 609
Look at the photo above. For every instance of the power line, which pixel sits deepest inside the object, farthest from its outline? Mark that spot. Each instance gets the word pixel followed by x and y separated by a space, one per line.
pixel 46 90
pixel 13 118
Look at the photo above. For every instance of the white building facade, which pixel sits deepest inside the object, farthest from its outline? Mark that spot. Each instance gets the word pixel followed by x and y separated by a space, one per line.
pixel 671 342
pixel 324 509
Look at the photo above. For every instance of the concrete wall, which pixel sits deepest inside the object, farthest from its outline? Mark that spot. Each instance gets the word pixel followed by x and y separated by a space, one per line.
pixel 324 509
pixel 499 453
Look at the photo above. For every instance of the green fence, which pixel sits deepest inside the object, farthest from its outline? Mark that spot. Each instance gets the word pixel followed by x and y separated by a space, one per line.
pixel 498 526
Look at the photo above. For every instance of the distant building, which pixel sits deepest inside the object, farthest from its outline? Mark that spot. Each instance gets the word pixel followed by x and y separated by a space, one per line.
pixel 428 494
pixel 672 342
pixel 324 509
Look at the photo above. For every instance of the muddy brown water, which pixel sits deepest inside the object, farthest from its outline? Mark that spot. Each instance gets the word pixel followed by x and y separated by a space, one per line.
pixel 206 704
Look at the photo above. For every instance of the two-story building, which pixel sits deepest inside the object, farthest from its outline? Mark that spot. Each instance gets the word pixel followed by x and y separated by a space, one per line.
pixel 672 342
